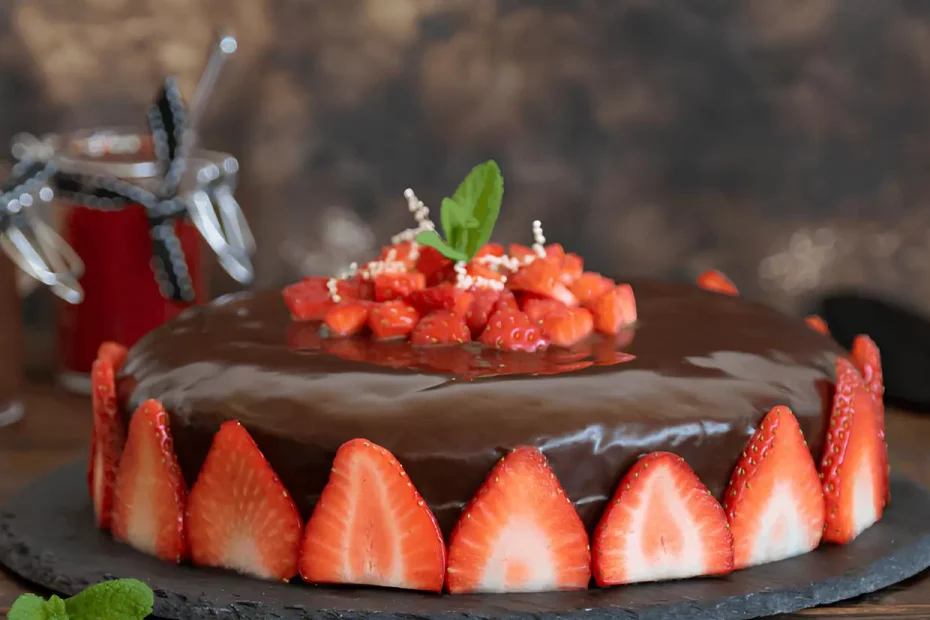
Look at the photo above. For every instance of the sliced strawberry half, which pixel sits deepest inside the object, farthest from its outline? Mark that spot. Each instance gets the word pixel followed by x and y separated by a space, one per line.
pixel 114 352
pixel 543 277
pixel 774 501
pixel 392 319
pixel 150 495
pixel 817 324
pixel 390 286
pixel 662 523
pixel 520 533
pixel 440 327
pixel 714 281
pixel 445 296
pixel 512 330
pixel 482 305
pixel 589 286
pixel 614 310
pixel 370 526
pixel 568 327
pixel 867 359
pixel 239 515
pixel 107 434
pixel 347 318
pixel 852 463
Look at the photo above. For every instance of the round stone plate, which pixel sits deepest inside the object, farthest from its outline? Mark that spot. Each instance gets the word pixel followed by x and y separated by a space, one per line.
pixel 47 536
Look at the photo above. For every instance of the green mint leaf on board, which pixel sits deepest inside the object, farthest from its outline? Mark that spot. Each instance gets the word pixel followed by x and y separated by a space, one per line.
pixel 122 599
pixel 32 607
pixel 432 239
pixel 481 193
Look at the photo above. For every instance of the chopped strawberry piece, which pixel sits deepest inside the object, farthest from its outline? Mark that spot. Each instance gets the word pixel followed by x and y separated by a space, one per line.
pixel 537 308
pixel 399 252
pixel 150 495
pixel 445 296
pixel 440 327
pixel 572 269
pixel 568 327
pixel 505 301
pixel 107 439
pixel 815 322
pixel 392 319
pixel 520 252
pixel 482 305
pixel 370 526
pixel 714 281
pixel 479 271
pixel 543 277
pixel 589 286
pixel 239 515
pixel 555 250
pixel 490 249
pixel 434 266
pixel 347 318
pixel 114 352
pixel 867 359
pixel 310 299
pixel 520 533
pixel 614 310
pixel 662 523
pixel 851 467
pixel 390 286
pixel 511 330
pixel 774 501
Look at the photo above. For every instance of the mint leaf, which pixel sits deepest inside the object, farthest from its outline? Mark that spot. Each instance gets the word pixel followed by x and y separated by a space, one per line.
pixel 481 193
pixel 32 607
pixel 27 607
pixel 452 219
pixel 122 599
pixel 432 239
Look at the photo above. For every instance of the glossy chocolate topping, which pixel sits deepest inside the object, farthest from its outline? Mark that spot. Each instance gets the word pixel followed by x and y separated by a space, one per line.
pixel 707 367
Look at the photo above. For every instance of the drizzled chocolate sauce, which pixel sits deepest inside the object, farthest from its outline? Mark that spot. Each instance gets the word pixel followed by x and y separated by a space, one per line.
pixel 704 370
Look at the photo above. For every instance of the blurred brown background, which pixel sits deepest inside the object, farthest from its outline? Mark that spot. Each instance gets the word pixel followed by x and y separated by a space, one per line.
pixel 782 141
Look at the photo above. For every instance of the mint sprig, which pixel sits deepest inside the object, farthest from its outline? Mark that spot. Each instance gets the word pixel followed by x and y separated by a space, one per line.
pixel 468 217
pixel 121 599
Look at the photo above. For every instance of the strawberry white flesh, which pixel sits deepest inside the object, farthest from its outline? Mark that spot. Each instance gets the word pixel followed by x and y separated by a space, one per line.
pixel 240 517
pixel 520 533
pixel 852 467
pixel 774 501
pixel 371 526
pixel 662 523
pixel 150 494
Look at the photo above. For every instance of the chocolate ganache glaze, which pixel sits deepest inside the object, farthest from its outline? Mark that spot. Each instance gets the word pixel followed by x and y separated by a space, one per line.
pixel 707 367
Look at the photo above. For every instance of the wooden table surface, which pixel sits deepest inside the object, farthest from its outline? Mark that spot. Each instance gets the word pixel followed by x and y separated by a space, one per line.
pixel 56 427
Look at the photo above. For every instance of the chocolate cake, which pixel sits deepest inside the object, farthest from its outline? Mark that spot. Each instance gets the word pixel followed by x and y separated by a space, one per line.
pixel 463 416
pixel 706 368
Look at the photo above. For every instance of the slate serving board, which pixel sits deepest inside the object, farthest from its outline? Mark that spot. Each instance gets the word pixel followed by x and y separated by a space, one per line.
pixel 48 537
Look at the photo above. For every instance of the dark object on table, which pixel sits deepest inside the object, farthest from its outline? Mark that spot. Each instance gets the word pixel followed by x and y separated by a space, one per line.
pixel 902 334
pixel 47 535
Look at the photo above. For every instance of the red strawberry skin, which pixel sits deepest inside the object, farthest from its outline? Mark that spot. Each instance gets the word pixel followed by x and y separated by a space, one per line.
pixel 370 526
pixel 614 310
pixel 440 327
pixel 537 308
pixel 390 286
pixel 482 305
pixel 774 501
pixel 520 533
pixel 512 330
pixel 239 515
pixel 310 299
pixel 589 286
pixel 444 296
pixel 114 352
pixel 347 318
pixel 867 359
pixel 568 327
pixel 714 281
pixel 662 523
pixel 150 495
pixel 107 438
pixel 818 324
pixel 851 466
pixel 392 319
pixel 543 277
